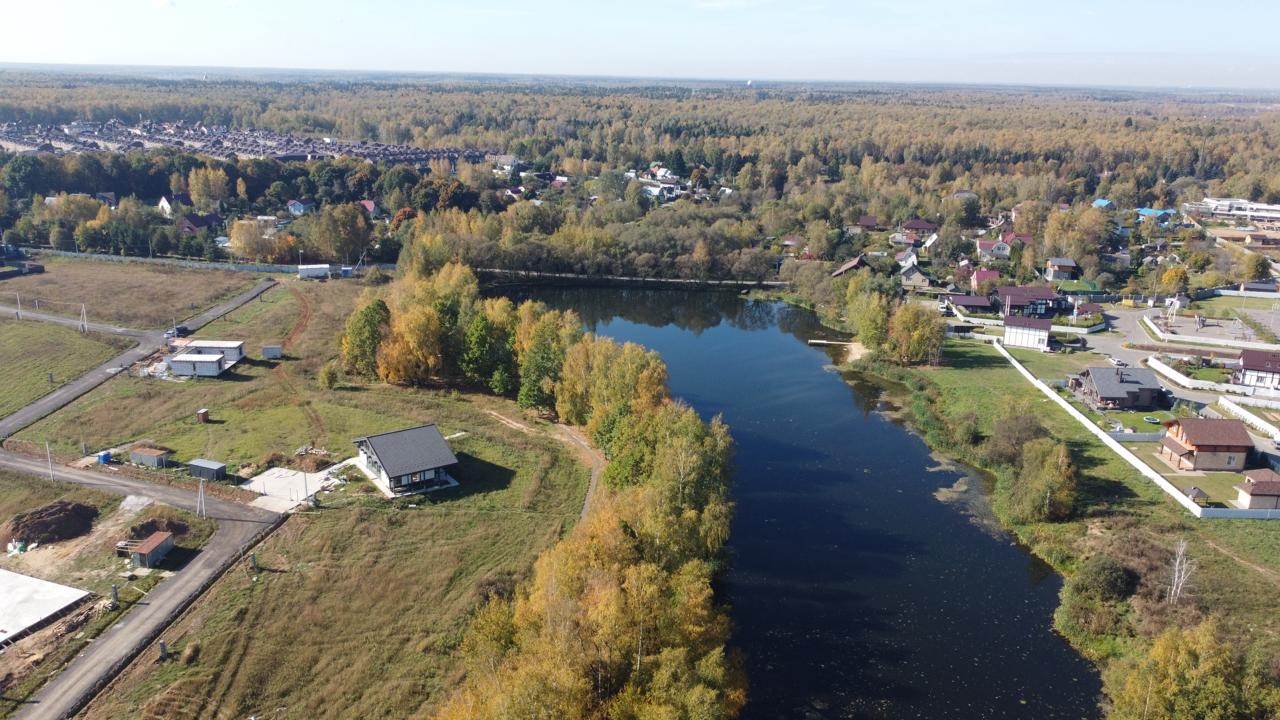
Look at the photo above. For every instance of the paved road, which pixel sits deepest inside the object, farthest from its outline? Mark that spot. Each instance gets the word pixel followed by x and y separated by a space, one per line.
pixel 238 527
pixel 149 341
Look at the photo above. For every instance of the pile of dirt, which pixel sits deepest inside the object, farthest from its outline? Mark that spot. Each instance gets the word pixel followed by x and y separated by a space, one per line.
pixel 143 530
pixel 60 520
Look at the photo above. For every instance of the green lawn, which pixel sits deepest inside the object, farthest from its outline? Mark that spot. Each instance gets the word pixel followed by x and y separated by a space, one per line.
pixel 1114 497
pixel 1209 374
pixel 1222 307
pixel 31 351
pixel 1055 366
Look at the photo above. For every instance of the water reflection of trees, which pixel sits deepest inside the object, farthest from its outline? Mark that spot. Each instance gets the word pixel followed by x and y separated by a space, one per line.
pixel 694 311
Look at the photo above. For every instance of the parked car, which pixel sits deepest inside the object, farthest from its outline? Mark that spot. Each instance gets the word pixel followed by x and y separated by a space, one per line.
pixel 177 331
pixel 1117 362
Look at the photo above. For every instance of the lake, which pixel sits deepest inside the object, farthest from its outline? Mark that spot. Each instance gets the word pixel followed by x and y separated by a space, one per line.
pixel 867 579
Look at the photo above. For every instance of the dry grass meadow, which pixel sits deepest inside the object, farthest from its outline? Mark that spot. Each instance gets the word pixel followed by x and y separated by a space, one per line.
pixel 131 294
pixel 360 603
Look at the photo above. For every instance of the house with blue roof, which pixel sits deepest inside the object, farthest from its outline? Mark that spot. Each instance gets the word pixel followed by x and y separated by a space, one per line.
pixel 1104 204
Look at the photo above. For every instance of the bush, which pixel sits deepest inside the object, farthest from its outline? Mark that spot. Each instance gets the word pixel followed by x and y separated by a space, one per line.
pixel 1103 577
pixel 328 376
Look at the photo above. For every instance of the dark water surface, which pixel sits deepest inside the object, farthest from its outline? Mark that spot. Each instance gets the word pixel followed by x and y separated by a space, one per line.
pixel 856 592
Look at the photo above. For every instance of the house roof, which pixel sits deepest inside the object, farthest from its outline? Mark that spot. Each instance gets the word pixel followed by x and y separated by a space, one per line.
pixel 197 358
pixel 868 221
pixel 1260 482
pixel 984 274
pixel 1114 382
pixel 152 541
pixel 1260 360
pixel 1089 308
pixel 1061 262
pixel 1195 493
pixel 410 450
pixel 1204 431
pixel 207 464
pixel 1024 294
pixel 970 301
pixel 1175 447
pixel 1026 322
pixel 853 264
pixel 919 224
pixel 150 452
pixel 216 343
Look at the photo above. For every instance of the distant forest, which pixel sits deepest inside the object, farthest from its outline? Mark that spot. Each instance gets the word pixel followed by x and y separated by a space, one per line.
pixel 786 161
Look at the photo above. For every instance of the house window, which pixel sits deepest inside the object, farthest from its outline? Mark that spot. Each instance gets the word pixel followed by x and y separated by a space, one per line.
pixel 1231 460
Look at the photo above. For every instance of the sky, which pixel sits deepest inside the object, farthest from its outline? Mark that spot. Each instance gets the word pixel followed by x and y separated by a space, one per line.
pixel 1171 43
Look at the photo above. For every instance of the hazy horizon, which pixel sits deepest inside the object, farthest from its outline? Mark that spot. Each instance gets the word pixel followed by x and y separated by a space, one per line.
pixel 987 42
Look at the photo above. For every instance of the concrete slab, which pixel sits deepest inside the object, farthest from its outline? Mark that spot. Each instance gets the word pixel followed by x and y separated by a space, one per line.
pixel 284 486
pixel 26 601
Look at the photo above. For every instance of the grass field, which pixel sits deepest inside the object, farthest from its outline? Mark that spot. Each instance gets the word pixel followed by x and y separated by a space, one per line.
pixel 361 602
pixel 136 295
pixel 1222 306
pixel 1238 560
pixel 30 351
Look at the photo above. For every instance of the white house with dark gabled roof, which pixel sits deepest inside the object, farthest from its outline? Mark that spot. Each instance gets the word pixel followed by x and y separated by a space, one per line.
pixel 1259 368
pixel 405 462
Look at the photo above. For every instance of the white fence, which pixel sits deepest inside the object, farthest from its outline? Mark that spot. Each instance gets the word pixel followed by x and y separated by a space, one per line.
pixel 1203 340
pixel 1249 418
pixel 1248 294
pixel 1245 390
pixel 1076 329
pixel 1127 455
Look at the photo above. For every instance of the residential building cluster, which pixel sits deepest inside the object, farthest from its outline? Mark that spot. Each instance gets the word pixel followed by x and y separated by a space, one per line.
pixel 216 141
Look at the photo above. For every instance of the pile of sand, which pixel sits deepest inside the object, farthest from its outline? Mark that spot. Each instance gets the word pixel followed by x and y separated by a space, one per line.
pixel 60 520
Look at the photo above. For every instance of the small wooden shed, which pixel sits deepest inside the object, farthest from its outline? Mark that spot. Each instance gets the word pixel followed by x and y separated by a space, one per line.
pixel 152 550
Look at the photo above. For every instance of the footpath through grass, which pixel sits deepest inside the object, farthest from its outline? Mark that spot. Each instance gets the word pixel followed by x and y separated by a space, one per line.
pixel 31 351
pixel 131 294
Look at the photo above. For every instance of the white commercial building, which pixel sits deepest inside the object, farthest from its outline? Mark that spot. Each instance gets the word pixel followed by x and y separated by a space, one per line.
pixel 196 365
pixel 232 351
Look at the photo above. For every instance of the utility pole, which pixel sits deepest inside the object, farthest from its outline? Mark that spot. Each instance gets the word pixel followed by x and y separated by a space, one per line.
pixel 84 319
pixel 48 455
pixel 200 509
pixel 19 297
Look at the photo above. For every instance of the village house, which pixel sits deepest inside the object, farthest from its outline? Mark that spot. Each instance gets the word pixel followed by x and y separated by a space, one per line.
pixel 970 303
pixel 907 258
pixel 1027 332
pixel 849 265
pixel 1104 204
pixel 193 223
pixel 1206 444
pixel 919 226
pixel 1114 388
pixel 913 279
pixel 1058 268
pixel 868 222
pixel 405 462
pixel 997 249
pixel 1028 301
pixel 982 276
pixel 298 208
pixel 1259 491
pixel 1258 368
pixel 169 203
